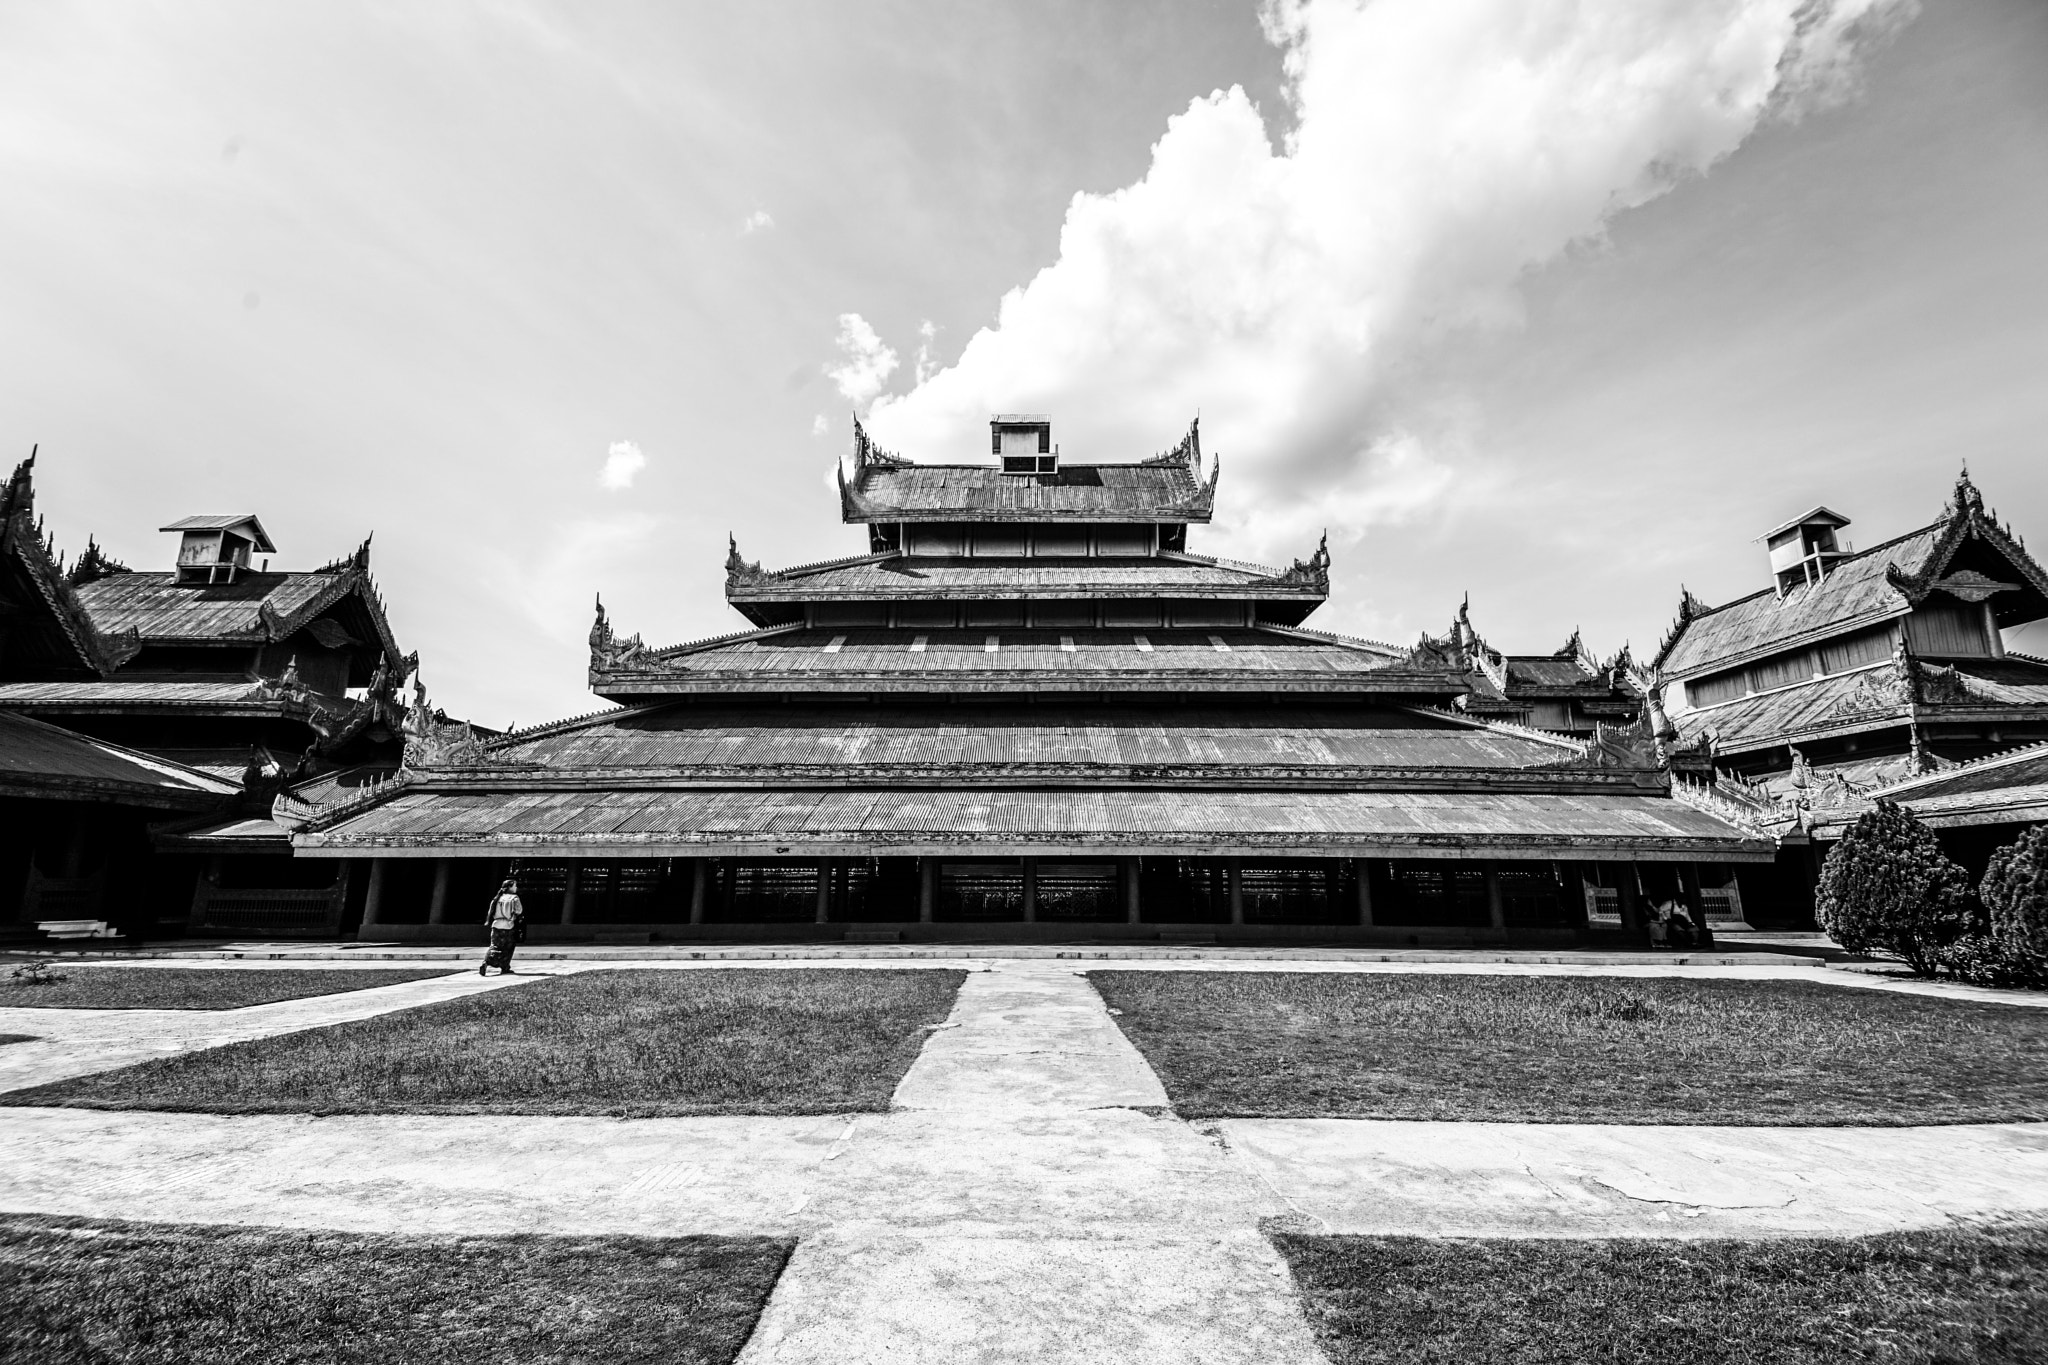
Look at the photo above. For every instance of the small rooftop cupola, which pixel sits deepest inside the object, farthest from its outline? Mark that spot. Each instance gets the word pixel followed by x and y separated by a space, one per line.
pixel 217 549
pixel 1805 548
pixel 1023 442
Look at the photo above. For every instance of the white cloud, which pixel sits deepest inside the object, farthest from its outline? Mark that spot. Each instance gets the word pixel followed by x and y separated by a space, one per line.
pixel 623 462
pixel 820 425
pixel 927 364
pixel 757 221
pixel 1294 295
pixel 868 361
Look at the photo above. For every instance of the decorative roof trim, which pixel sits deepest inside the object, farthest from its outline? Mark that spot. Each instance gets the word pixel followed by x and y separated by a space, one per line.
pixel 2000 759
pixel 1390 652
pixel 30 546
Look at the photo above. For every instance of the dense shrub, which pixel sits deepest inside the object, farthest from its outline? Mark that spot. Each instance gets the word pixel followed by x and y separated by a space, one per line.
pixel 1888 885
pixel 2015 893
pixel 2012 947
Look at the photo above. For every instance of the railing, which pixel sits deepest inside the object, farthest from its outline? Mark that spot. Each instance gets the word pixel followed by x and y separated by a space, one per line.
pixel 269 911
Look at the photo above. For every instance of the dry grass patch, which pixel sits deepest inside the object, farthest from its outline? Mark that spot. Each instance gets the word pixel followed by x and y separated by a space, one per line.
pixel 86 1292
pixel 1552 1049
pixel 192 988
pixel 1926 1298
pixel 638 1044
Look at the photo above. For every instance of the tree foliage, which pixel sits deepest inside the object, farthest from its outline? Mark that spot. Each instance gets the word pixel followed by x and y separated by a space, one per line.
pixel 1888 885
pixel 2015 894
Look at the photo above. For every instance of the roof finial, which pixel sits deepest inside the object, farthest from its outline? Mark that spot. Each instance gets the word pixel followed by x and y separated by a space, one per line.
pixel 1968 501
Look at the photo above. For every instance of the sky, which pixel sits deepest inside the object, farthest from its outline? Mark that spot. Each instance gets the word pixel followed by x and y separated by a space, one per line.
pixel 1558 303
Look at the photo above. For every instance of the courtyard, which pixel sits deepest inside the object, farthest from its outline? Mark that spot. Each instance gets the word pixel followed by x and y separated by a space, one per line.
pixel 1019 1155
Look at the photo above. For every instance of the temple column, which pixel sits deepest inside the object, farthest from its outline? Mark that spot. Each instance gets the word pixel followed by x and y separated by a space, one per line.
pixel 1131 908
pixel 824 890
pixel 700 873
pixel 571 885
pixel 1362 872
pixel 373 897
pixel 1630 899
pixel 1496 910
pixel 437 908
pixel 1234 871
pixel 927 889
pixel 1030 890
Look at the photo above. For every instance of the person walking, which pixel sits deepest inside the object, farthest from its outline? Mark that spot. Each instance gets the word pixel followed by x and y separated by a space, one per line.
pixel 507 919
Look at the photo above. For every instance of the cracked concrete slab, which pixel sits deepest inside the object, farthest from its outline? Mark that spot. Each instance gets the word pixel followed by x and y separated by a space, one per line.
pixel 1606 1180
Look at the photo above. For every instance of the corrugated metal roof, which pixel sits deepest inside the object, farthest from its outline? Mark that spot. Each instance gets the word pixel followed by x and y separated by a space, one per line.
pixel 682 737
pixel 2005 682
pixel 160 608
pixel 1076 492
pixel 49 762
pixel 1005 658
pixel 855 822
pixel 1854 593
pixel 1845 701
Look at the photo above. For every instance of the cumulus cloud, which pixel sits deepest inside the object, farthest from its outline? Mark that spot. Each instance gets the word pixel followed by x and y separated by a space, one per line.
pixel 1294 293
pixel 820 424
pixel 757 221
pixel 927 363
pixel 623 462
pixel 867 361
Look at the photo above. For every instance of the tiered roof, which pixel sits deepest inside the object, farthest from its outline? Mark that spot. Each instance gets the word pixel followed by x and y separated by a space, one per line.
pixel 1003 699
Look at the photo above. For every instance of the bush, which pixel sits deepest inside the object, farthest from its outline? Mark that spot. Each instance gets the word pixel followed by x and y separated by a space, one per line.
pixel 2015 892
pixel 1982 960
pixel 1888 885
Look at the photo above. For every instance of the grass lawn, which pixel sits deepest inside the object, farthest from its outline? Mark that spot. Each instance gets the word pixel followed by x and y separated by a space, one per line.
pixel 194 988
pixel 83 1291
pixel 629 1043
pixel 1577 1049
pixel 1922 1298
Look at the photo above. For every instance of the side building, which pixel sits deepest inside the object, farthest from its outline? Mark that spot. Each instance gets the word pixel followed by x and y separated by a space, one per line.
pixel 1859 674
pixel 239 679
pixel 1029 709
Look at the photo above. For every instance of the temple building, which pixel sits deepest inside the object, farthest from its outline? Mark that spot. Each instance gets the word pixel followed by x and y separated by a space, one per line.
pixel 1567 691
pixel 1858 674
pixel 176 705
pixel 1028 708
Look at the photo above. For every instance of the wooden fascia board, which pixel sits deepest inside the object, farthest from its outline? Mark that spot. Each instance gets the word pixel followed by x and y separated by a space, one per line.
pixel 635 846
pixel 122 707
pixel 976 592
pixel 627 689
pixel 1531 781
pixel 1175 515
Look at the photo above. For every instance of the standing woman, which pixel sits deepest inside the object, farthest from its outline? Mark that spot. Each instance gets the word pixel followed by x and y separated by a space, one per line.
pixel 507 919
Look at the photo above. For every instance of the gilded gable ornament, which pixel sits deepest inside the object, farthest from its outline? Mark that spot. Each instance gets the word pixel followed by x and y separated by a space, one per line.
pixel 611 654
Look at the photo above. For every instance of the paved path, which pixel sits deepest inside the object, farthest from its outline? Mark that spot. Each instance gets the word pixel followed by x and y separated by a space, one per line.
pixel 75 1042
pixel 1027 1199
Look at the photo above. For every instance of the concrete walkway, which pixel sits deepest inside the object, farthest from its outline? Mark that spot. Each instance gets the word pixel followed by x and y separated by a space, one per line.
pixel 76 1042
pixel 1028 1197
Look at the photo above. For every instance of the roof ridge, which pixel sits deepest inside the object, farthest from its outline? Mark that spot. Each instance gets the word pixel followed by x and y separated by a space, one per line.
pixel 819 565
pixel 1335 637
pixel 1978 764
pixel 1218 561
pixel 692 646
pixel 1506 727
pixel 555 727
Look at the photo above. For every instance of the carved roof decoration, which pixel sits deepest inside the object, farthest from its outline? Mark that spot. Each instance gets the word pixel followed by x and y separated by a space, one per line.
pixel 53 632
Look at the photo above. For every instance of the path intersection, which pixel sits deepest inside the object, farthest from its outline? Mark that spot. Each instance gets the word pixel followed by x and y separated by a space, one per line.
pixel 1029 1196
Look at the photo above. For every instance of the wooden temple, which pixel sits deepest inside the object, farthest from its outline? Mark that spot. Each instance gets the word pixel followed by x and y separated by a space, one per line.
pixel 1859 674
pixel 1029 708
pixel 149 721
